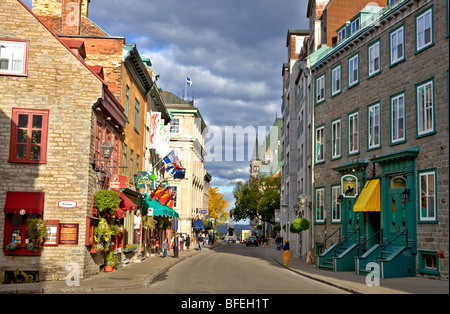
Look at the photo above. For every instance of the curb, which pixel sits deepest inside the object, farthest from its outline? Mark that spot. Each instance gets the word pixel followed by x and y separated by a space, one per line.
pixel 330 283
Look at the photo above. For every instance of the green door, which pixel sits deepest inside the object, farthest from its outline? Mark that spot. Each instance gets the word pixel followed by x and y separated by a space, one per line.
pixel 397 207
pixel 351 219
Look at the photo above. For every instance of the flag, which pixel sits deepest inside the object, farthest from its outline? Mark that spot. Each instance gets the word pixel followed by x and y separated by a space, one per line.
pixel 164 198
pixel 188 81
pixel 157 192
pixel 170 158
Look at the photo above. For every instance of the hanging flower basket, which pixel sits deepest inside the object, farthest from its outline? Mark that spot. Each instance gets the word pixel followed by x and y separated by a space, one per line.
pixel 299 225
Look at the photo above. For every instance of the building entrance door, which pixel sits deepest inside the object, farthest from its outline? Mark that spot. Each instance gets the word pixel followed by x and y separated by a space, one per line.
pixel 397 209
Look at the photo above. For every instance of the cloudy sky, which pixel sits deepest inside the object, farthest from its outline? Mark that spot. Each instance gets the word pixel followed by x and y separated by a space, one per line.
pixel 232 50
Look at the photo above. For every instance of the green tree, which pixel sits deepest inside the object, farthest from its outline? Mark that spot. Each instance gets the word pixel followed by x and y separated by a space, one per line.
pixel 257 198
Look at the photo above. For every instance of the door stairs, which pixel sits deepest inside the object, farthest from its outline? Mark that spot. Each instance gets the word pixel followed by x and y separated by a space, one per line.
pixel 392 259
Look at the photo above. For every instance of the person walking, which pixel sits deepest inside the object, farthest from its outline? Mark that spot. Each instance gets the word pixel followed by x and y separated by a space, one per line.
pixel 188 241
pixel 176 242
pixel 165 247
pixel 200 242
pixel 207 239
pixel 278 241
pixel 286 252
pixel 182 243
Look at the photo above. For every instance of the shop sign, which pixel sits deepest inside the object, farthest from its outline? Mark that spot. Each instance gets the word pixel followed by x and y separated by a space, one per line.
pixel 68 234
pixel 349 186
pixel 67 204
pixel 150 212
pixel 118 181
pixel 202 211
pixel 145 180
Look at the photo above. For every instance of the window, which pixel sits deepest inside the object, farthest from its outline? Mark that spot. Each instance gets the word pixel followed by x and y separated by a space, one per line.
pixel 353 133
pixel 320 199
pixel 355 25
pixel 428 262
pixel 341 35
pixel 374 64
pixel 125 156
pixel 138 162
pixel 336 77
pixel 336 204
pixel 175 126
pixel 320 142
pixel 353 70
pixel 136 115
pixel 174 189
pixel 398 121
pixel 13 57
pixel 28 142
pixel 397 45
pixel 425 108
pixel 424 30
pixel 127 101
pixel 131 165
pixel 320 89
pixel 336 139
pixel 427 188
pixel 373 125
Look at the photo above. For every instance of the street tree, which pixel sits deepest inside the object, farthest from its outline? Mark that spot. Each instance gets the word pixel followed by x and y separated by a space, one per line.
pixel 217 205
pixel 257 198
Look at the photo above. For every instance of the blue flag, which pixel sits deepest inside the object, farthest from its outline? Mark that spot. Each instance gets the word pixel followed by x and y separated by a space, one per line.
pixel 188 81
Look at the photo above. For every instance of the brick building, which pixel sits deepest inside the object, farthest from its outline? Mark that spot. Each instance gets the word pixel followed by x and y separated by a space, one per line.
pixel 380 153
pixel 51 103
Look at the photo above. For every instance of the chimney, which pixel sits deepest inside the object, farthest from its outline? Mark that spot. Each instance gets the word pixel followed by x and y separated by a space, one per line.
pixel 68 14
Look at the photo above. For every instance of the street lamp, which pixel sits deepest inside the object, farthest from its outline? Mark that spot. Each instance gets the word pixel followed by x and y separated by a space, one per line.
pixel 106 150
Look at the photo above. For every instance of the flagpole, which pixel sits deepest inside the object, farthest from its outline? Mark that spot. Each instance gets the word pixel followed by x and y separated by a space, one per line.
pixel 185 89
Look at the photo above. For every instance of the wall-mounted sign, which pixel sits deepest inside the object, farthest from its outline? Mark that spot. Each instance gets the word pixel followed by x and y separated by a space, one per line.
pixel 68 234
pixel 145 180
pixel 118 181
pixel 67 204
pixel 349 186
pixel 202 211
pixel 150 212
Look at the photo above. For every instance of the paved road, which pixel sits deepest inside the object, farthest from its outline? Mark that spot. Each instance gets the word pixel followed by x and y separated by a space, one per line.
pixel 232 269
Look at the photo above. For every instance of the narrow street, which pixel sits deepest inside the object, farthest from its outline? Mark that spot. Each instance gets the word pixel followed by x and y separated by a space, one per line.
pixel 232 269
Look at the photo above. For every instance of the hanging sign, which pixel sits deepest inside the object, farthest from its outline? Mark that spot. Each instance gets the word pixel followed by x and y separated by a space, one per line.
pixel 349 186
pixel 145 180
pixel 118 181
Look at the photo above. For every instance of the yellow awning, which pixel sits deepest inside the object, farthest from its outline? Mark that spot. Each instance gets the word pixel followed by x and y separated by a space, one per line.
pixel 369 199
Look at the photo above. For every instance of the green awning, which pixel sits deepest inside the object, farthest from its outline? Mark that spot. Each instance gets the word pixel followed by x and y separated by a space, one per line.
pixel 158 209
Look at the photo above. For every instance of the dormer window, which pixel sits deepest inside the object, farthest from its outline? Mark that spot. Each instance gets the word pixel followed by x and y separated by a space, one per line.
pixel 341 35
pixel 355 25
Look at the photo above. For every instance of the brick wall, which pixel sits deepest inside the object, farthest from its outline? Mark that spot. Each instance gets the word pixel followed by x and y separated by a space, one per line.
pixel 57 81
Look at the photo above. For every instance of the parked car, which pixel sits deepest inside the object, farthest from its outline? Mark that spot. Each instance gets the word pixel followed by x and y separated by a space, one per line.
pixel 252 241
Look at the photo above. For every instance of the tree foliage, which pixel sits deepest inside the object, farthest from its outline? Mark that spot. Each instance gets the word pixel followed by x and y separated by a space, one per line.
pixel 217 205
pixel 257 198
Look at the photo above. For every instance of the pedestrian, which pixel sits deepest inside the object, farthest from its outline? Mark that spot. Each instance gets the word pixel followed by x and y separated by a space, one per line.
pixel 176 242
pixel 200 242
pixel 188 241
pixel 207 239
pixel 286 252
pixel 165 247
pixel 278 241
pixel 182 243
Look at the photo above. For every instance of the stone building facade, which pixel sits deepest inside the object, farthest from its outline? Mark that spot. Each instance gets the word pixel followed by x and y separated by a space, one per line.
pixel 187 140
pixel 48 117
pixel 381 115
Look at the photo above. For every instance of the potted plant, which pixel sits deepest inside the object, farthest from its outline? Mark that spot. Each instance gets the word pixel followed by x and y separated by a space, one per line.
pixel 110 261
pixel 299 225
pixel 37 231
